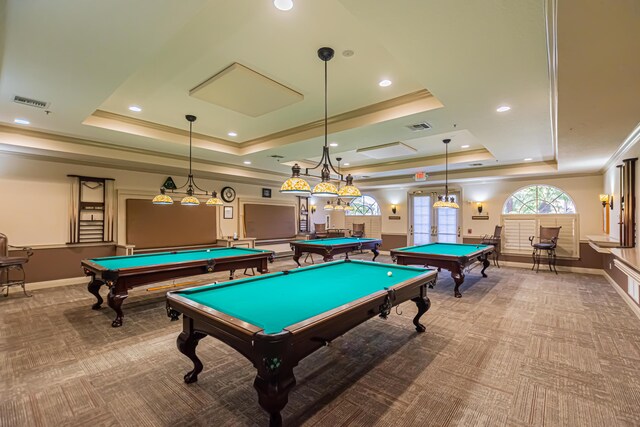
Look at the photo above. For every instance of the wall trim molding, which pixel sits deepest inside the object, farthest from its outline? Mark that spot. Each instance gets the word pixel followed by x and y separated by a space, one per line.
pixel 634 307
pixel 83 280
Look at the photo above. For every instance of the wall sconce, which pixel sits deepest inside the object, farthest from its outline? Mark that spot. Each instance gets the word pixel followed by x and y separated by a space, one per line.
pixel 313 209
pixel 604 198
pixel 394 208
pixel 479 206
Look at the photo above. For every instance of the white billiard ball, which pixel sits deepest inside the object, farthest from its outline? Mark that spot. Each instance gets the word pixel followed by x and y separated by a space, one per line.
pixel 389 273
pixel 208 250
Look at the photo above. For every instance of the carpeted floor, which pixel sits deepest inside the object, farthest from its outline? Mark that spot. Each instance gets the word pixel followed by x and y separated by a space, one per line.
pixel 517 349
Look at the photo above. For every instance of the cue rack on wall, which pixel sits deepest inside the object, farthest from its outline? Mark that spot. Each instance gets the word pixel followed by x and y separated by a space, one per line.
pixel 91 220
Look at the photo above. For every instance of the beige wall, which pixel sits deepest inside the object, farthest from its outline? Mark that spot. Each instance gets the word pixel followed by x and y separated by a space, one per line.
pixel 35 197
pixel 584 191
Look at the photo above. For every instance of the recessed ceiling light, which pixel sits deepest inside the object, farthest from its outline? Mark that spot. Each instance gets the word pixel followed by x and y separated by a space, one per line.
pixel 346 164
pixel 528 159
pixel 135 108
pixel 503 108
pixel 283 4
pixel 22 121
pixel 247 162
pixel 465 146
pixel 385 83
pixel 333 144
pixel 232 134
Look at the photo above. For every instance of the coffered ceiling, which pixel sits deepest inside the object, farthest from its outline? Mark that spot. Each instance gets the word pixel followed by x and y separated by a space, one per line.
pixel 451 65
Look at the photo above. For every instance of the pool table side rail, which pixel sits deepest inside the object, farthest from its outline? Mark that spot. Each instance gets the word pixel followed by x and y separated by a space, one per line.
pixel 310 334
pixel 211 249
pixel 99 269
pixel 365 244
pixel 421 256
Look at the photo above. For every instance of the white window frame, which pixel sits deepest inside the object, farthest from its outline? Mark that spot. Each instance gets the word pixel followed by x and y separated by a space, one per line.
pixel 515 241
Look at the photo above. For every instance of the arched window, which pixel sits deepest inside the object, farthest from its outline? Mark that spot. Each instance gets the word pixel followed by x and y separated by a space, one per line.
pixel 364 205
pixel 539 199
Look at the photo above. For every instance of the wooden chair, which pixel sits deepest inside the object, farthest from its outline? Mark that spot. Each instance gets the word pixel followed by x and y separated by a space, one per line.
pixel 495 240
pixel 358 230
pixel 320 231
pixel 547 241
pixel 12 263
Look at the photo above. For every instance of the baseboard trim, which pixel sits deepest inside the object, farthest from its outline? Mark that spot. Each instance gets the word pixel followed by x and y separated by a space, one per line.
pixel 625 296
pixel 59 282
pixel 563 268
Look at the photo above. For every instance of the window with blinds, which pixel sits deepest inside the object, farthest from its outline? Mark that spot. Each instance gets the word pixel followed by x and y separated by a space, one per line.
pixel 518 228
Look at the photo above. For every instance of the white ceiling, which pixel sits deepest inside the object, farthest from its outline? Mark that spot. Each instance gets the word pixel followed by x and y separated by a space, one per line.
pixel 91 60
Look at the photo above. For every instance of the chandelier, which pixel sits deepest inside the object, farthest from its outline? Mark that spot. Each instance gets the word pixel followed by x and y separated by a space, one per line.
pixel 445 200
pixel 325 188
pixel 193 190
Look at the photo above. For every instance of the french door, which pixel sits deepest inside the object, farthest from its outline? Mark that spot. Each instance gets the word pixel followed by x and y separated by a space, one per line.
pixel 428 224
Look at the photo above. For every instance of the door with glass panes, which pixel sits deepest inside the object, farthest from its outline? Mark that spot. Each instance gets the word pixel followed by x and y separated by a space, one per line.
pixel 428 224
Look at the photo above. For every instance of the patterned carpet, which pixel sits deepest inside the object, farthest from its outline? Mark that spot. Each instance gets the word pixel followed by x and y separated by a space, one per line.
pixel 517 349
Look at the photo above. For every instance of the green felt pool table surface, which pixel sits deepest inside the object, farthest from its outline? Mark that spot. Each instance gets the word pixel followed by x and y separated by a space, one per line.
pixel 160 258
pixel 334 241
pixel 453 249
pixel 275 301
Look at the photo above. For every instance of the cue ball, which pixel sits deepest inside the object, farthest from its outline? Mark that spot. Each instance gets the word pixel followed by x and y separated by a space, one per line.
pixel 389 273
pixel 208 250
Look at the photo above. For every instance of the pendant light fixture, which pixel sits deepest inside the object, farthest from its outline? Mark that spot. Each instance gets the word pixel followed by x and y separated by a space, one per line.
pixel 445 200
pixel 193 190
pixel 296 184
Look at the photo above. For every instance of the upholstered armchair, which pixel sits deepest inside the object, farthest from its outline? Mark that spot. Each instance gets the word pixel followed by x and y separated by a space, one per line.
pixel 12 263
pixel 547 241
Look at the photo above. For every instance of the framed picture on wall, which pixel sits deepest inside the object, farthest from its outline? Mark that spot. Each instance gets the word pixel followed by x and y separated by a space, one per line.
pixel 227 212
pixel 266 192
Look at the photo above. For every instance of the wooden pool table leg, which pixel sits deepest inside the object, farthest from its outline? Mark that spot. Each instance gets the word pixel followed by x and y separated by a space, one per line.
pixel 458 277
pixel 115 300
pixel 273 392
pixel 423 303
pixel 187 343
pixel 375 253
pixel 485 264
pixel 296 257
pixel 94 288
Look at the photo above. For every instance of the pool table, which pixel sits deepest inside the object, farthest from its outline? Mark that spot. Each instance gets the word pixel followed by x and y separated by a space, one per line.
pixel 121 273
pixel 278 319
pixel 333 246
pixel 451 256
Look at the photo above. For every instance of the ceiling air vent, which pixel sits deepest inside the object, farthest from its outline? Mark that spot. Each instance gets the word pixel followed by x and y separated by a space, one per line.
pixel 419 126
pixel 30 102
pixel 475 164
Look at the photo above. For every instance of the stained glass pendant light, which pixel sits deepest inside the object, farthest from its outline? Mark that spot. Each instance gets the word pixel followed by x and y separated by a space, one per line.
pixel 445 200
pixel 296 184
pixel 162 198
pixel 328 206
pixel 192 190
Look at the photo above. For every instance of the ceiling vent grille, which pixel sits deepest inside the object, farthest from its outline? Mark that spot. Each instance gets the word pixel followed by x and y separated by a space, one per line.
pixel 30 102
pixel 419 126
